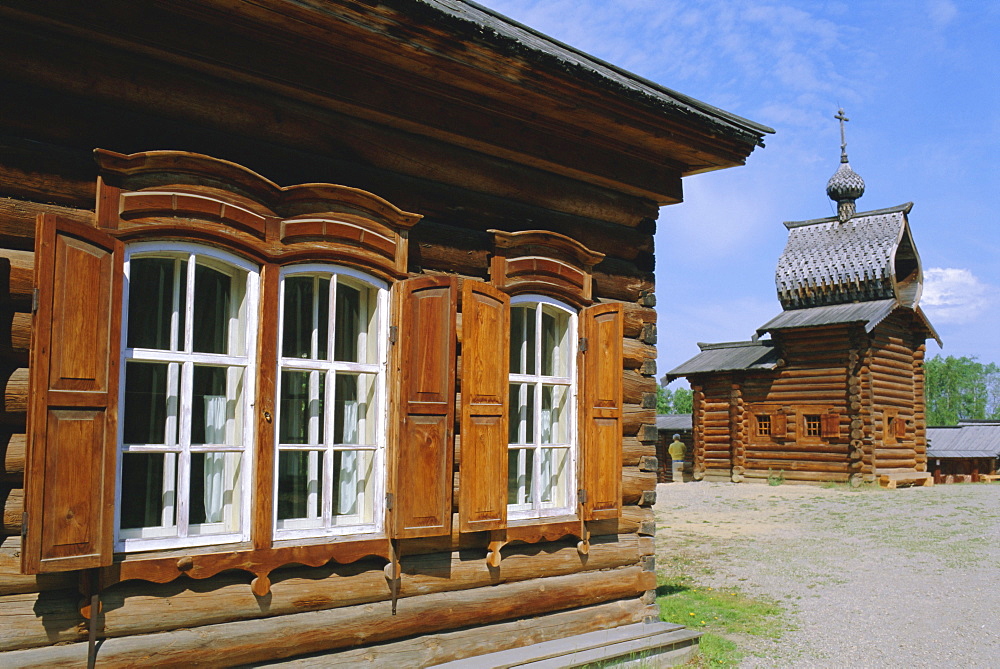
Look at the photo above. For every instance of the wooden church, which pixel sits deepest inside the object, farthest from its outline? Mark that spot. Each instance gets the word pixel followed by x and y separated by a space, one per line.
pixel 327 328
pixel 836 392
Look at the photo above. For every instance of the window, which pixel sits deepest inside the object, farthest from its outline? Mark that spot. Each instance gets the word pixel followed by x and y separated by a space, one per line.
pixel 812 425
pixel 189 374
pixel 763 425
pixel 542 425
pixel 331 401
pixel 230 383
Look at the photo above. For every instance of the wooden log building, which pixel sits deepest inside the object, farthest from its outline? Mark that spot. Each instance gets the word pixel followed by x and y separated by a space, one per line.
pixel 327 327
pixel 836 393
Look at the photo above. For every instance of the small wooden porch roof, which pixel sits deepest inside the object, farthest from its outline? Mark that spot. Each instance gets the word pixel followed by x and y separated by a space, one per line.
pixel 728 357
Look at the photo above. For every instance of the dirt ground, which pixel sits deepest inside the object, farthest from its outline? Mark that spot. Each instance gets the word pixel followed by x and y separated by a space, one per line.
pixel 868 578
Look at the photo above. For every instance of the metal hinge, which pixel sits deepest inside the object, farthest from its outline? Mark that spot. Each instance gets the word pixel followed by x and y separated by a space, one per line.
pixel 34 300
pixel 583 344
pixel 388 501
pixel 582 494
pixel 393 334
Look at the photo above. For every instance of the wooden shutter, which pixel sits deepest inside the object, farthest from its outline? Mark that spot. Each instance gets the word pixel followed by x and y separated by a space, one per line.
pixel 482 480
pixel 829 425
pixel 72 426
pixel 601 410
pixel 779 426
pixel 424 361
pixel 899 427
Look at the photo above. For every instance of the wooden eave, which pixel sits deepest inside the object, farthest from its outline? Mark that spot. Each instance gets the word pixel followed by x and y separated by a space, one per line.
pixel 407 66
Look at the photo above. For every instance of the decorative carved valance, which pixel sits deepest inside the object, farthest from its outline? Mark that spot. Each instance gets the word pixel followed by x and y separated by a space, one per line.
pixel 175 193
pixel 537 261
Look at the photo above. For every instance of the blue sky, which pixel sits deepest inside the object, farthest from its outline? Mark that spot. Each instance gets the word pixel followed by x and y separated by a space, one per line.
pixel 919 80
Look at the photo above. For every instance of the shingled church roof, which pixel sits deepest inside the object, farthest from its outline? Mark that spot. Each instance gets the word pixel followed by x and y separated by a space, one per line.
pixel 868 257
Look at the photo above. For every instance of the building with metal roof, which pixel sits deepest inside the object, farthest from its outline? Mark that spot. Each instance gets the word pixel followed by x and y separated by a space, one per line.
pixel 836 390
pixel 963 452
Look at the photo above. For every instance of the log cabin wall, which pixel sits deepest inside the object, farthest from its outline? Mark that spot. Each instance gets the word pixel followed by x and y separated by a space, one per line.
pixel 896 372
pixel 812 382
pixel 130 82
pixel 713 440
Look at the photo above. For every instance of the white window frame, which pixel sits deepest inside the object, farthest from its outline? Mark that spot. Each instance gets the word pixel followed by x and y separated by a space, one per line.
pixel 536 509
pixel 187 360
pixel 330 526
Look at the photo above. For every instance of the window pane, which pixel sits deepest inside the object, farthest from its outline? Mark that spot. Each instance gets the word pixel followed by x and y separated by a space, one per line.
pixel 147 403
pixel 522 413
pixel 306 317
pixel 522 340
pixel 215 492
pixel 216 395
pixel 555 415
pixel 300 477
pixel 555 338
pixel 519 464
pixel 215 299
pixel 352 485
pixel 300 407
pixel 153 285
pixel 553 476
pixel 149 490
pixel 354 409
pixel 356 311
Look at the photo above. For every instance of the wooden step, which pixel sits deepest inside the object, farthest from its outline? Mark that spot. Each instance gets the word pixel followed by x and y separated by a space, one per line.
pixel 895 479
pixel 646 644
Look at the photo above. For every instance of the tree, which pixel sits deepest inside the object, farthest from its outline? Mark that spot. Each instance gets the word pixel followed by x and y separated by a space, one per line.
pixel 676 401
pixel 961 389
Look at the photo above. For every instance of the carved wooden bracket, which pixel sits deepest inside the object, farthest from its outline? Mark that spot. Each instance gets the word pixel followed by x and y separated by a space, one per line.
pixel 174 193
pixel 538 261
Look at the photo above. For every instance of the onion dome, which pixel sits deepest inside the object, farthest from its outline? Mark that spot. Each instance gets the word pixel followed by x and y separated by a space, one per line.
pixel 846 185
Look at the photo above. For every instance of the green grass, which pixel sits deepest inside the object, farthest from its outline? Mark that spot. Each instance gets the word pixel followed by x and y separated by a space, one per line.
pixel 718 613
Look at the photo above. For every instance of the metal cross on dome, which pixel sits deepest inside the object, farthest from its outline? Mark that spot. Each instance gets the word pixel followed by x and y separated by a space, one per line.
pixel 843 142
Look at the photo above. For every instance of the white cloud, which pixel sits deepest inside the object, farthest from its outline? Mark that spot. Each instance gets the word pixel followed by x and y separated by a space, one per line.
pixel 953 295
pixel 941 12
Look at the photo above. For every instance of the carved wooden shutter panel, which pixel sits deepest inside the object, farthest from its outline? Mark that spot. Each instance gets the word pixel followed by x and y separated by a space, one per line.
pixel 484 407
pixel 72 422
pixel 830 425
pixel 601 410
pixel 424 361
pixel 779 426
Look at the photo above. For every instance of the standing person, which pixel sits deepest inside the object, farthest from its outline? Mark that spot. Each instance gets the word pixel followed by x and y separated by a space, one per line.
pixel 676 451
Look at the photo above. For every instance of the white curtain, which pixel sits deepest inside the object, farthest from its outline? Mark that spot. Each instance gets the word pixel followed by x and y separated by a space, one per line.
pixel 215 463
pixel 347 486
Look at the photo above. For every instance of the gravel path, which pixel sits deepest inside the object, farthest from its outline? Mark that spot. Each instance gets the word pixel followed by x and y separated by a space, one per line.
pixel 870 578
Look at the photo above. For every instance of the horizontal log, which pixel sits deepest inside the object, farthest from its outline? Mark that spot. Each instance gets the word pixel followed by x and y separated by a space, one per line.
pixel 16 348
pixel 633 451
pixel 636 353
pixel 796 465
pixel 12 452
pixel 433 649
pixel 634 417
pixel 833 373
pixel 17 278
pixel 637 519
pixel 896 453
pixel 635 386
pixel 247 641
pixel 635 317
pixel 799 475
pixel 609 285
pixel 16 391
pixel 17 220
pixel 796 447
pixel 885 395
pixel 12 500
pixel 635 483
pixel 894 463
pixel 796 455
